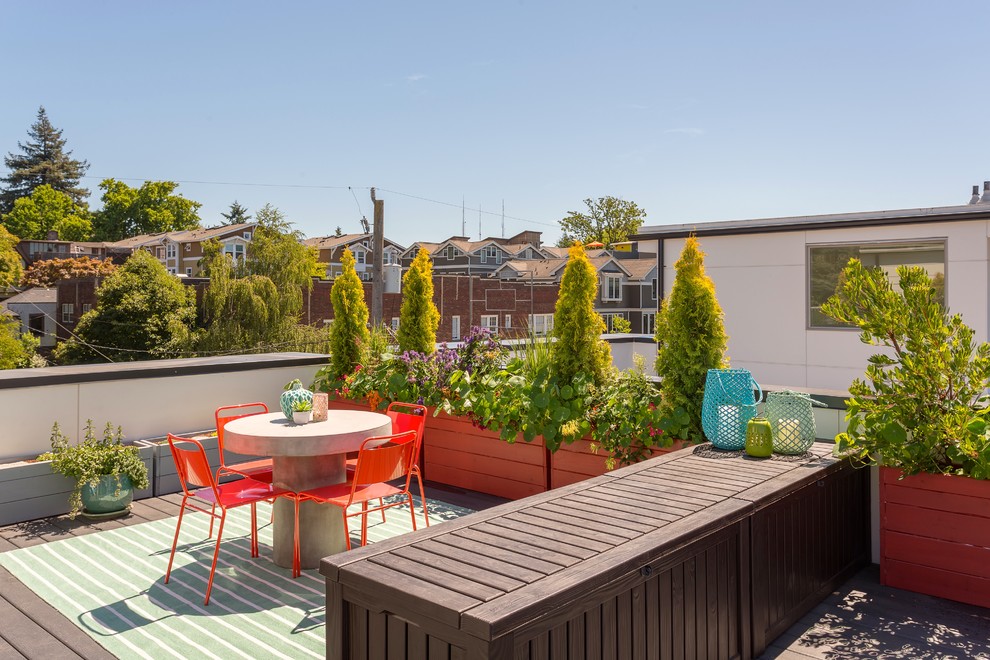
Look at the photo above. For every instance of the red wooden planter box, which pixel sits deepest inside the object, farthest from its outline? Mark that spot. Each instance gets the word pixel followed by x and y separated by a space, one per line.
pixel 935 535
pixel 458 453
pixel 576 462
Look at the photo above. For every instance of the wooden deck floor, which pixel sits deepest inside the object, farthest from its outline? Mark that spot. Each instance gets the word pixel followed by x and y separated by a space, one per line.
pixel 862 619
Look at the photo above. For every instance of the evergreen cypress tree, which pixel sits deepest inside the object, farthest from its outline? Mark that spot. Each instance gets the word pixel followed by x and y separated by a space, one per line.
pixel 43 159
pixel 419 317
pixel 690 336
pixel 577 327
pixel 237 214
pixel 349 331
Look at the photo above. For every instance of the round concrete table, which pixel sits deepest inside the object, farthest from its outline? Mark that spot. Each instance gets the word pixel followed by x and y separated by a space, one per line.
pixel 306 456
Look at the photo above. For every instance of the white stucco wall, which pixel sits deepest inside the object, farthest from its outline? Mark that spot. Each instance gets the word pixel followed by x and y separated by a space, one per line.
pixel 761 283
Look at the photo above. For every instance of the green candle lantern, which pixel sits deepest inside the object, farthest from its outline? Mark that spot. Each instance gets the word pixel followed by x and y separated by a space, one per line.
pixel 759 438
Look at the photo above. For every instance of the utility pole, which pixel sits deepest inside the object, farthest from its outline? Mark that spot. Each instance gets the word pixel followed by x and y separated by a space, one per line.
pixel 377 268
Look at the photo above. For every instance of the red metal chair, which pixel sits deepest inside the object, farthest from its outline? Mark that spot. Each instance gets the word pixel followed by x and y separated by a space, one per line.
pixel 406 417
pixel 194 470
pixel 260 469
pixel 380 459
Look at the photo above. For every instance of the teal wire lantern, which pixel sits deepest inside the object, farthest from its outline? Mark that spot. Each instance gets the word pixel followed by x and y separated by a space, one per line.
pixel 728 406
pixel 792 420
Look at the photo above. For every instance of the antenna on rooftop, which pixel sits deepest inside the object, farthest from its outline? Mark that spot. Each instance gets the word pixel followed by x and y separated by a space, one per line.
pixel 480 235
pixel 463 226
pixel 503 218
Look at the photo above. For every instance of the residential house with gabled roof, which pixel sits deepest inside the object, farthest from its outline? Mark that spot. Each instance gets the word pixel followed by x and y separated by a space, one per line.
pixel 331 250
pixel 35 250
pixel 181 251
pixel 460 255
pixel 35 309
pixel 627 283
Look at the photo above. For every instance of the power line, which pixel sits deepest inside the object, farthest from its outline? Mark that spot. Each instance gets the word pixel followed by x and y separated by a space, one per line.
pixel 437 201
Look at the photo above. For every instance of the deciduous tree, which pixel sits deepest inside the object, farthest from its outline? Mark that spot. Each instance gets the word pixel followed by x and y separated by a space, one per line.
pixel 577 327
pixel 47 209
pixel 43 160
pixel 17 350
pixel 608 220
pixel 48 272
pixel 418 316
pixel 10 261
pixel 349 331
pixel 691 339
pixel 142 312
pixel 151 208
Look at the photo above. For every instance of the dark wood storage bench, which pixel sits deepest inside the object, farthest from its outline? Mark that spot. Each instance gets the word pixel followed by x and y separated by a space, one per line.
pixel 694 554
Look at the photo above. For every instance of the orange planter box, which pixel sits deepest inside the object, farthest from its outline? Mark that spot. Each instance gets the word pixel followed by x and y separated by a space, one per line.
pixel 458 453
pixel 935 535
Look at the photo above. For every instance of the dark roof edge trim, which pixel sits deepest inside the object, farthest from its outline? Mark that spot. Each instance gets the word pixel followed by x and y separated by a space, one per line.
pixel 91 373
pixel 700 229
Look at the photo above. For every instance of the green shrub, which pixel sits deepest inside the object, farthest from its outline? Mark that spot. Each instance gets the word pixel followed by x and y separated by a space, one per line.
pixel 577 327
pixel 93 458
pixel 349 330
pixel 690 340
pixel 922 405
pixel 418 317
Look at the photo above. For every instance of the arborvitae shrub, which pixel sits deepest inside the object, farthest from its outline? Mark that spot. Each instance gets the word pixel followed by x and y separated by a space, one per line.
pixel 419 317
pixel 349 331
pixel 690 336
pixel 577 327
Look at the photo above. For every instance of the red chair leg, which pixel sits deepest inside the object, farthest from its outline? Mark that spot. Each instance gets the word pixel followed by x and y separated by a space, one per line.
pixel 422 499
pixel 381 503
pixel 412 511
pixel 364 523
pixel 216 553
pixel 254 529
pixel 347 532
pixel 175 541
pixel 296 561
pixel 213 516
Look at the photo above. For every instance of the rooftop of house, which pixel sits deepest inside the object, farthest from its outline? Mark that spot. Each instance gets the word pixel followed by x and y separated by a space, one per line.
pixel 34 295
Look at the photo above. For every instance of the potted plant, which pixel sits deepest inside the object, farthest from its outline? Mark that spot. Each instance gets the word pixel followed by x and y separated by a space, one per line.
pixel 105 471
pixel 920 414
pixel 302 412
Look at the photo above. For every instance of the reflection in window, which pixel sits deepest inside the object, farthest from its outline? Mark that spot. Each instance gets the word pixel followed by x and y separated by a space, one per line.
pixel 826 262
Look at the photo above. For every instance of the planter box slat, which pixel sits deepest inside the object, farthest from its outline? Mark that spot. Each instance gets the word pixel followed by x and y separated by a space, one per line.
pixel 504 469
pixel 940 501
pixel 936 582
pixel 936 553
pixel 490 444
pixel 940 483
pixel 930 523
pixel 512 490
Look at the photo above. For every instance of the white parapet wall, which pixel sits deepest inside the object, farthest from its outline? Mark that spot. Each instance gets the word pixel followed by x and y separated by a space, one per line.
pixel 146 399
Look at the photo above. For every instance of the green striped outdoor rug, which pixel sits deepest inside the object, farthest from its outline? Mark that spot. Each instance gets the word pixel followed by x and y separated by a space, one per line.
pixel 110 585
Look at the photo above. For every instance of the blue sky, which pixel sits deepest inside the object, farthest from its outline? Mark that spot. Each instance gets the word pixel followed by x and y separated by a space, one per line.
pixel 696 111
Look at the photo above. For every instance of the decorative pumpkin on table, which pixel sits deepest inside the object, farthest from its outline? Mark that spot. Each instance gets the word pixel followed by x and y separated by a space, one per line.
pixel 294 393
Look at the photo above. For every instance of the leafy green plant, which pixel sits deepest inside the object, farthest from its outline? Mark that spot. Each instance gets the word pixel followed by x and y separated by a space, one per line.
pixel 535 354
pixel 349 331
pixel 625 419
pixel 303 405
pixel 922 405
pixel 418 316
pixel 577 327
pixel 94 458
pixel 621 325
pixel 690 340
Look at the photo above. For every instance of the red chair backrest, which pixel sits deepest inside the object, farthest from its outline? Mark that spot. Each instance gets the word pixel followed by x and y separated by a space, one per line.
pixel 384 458
pixel 226 414
pixel 408 417
pixel 191 464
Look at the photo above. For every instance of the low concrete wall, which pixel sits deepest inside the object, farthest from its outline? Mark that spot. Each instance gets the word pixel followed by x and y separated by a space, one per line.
pixel 147 399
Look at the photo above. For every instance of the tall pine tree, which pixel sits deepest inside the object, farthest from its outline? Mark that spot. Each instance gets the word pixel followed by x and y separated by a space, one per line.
pixel 237 214
pixel 43 160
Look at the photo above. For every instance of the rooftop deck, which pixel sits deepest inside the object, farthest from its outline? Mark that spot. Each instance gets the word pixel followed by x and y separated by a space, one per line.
pixel 860 619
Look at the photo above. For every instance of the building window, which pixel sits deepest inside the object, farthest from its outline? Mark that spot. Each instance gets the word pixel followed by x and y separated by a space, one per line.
pixel 611 287
pixel 451 252
pixel 247 236
pixel 188 272
pixel 508 321
pixel 491 252
pixel 86 307
pixel 361 257
pixel 395 324
pixel 172 271
pixel 366 275
pixel 609 319
pixel 541 324
pixel 336 274
pixel 653 287
pixel 234 250
pixel 490 322
pixel 649 323
pixel 159 253
pixel 188 247
pixel 825 263
pixel 170 251
pixel 67 312
pixel 36 324
pixel 455 327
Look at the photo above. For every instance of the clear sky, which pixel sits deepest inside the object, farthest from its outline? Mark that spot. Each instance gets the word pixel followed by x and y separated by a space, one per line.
pixel 694 110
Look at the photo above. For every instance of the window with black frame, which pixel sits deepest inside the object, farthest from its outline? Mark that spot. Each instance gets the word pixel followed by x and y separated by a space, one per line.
pixel 826 263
